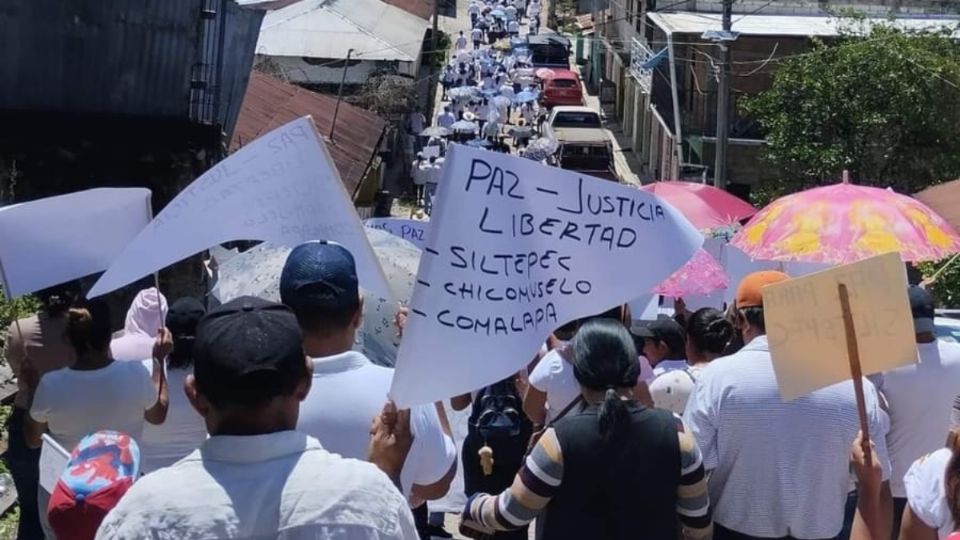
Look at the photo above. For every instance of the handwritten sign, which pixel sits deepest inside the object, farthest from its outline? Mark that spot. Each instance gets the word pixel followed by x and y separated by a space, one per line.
pixel 516 249
pixel 805 324
pixel 57 239
pixel 411 230
pixel 282 188
pixel 53 461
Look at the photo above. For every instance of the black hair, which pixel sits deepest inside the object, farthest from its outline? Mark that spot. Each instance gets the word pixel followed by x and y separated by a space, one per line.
pixel 605 359
pixel 709 331
pixel 250 390
pixel 754 316
pixel 88 327
pixel 56 300
pixel 323 319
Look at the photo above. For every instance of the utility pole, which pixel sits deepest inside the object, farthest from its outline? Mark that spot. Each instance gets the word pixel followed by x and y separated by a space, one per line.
pixel 435 33
pixel 343 79
pixel 723 97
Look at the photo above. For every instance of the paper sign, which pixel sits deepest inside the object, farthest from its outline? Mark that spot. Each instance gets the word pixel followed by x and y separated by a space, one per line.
pixel 738 265
pixel 54 240
pixel 53 461
pixel 411 230
pixel 645 308
pixel 281 188
pixel 805 324
pixel 516 249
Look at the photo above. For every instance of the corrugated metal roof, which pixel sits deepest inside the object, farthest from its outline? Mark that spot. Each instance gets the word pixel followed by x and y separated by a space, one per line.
pixel 790 25
pixel 374 30
pixel 270 103
pixel 420 8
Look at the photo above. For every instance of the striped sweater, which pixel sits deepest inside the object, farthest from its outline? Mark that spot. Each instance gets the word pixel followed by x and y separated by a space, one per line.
pixel 542 477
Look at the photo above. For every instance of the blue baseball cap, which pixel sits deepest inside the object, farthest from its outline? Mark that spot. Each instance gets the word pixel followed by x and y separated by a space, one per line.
pixel 319 275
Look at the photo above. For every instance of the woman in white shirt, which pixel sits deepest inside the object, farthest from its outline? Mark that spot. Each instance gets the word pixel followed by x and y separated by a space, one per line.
pixel 184 430
pixel 933 494
pixel 96 393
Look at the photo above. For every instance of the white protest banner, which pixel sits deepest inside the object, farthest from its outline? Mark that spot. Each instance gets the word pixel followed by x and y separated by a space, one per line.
pixel 53 240
pixel 281 188
pixel 516 249
pixel 53 461
pixel 411 230
pixel 805 326
pixel 645 308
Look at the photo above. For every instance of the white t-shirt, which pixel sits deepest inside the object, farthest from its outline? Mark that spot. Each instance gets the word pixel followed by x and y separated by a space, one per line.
pixel 282 486
pixel 512 26
pixel 920 398
pixel 927 493
pixel 476 34
pixel 182 432
pixel 554 376
pixel 461 42
pixel 446 119
pixel 348 392
pixel 75 403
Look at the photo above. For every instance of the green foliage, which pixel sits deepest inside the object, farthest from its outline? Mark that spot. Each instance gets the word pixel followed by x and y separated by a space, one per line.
pixel 883 104
pixel 946 287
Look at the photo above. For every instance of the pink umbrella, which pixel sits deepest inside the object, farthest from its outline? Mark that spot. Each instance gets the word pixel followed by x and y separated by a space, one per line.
pixel 705 206
pixel 701 275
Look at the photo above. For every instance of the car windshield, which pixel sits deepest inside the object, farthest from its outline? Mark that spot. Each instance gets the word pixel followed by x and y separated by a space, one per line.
pixel 577 120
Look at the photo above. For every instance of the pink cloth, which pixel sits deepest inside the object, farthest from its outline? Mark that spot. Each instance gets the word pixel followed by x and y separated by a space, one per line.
pixel 701 276
pixel 145 317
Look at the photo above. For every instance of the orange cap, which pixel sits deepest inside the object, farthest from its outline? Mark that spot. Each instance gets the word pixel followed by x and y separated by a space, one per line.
pixel 750 291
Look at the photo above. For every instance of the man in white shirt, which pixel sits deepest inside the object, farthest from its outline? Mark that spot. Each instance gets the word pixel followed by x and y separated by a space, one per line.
pixel 446 118
pixel 513 28
pixel 256 477
pixel 319 282
pixel 919 397
pixel 779 469
pixel 477 36
pixel 461 42
pixel 474 11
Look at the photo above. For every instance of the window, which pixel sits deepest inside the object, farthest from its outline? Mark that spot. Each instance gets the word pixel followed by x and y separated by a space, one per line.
pixel 577 120
pixel 563 83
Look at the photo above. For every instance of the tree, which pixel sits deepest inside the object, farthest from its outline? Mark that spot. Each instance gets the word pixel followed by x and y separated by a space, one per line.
pixel 881 103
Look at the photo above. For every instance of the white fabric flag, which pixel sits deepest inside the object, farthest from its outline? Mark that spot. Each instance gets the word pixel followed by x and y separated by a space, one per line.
pixel 516 249
pixel 282 188
pixel 54 240
pixel 411 230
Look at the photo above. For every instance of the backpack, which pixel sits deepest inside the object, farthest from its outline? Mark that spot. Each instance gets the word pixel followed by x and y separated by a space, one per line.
pixel 498 411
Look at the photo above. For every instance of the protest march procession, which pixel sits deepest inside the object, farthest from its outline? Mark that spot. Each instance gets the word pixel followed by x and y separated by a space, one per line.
pixel 533 342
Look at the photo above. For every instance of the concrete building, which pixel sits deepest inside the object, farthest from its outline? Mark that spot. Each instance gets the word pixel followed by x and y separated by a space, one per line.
pixel 656 73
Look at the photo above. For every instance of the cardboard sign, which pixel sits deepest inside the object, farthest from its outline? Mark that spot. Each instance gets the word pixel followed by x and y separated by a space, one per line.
pixel 805 324
pixel 411 230
pixel 54 240
pixel 281 188
pixel 515 250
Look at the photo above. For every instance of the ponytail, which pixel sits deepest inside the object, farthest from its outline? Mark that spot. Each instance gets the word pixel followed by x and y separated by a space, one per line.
pixel 952 477
pixel 605 360
pixel 613 413
pixel 88 327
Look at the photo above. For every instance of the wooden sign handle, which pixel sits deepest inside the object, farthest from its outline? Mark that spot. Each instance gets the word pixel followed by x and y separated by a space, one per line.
pixel 853 352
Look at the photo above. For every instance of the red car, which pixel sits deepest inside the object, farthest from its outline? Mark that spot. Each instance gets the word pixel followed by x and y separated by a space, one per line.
pixel 560 87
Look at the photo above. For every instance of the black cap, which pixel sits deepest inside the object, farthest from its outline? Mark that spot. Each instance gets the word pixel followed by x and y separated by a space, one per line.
pixel 321 275
pixel 663 329
pixel 183 316
pixel 246 336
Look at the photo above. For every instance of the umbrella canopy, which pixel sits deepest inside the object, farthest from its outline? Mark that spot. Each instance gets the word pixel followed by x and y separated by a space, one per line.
pixel 525 97
pixel 545 73
pixel 479 143
pixel 435 131
pixel 501 101
pixel 499 13
pixel 489 92
pixel 701 275
pixel 462 93
pixel 845 223
pixel 256 272
pixel 705 206
pixel 464 126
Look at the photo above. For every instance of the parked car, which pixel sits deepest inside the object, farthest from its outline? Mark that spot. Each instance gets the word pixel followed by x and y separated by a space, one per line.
pixel 549 50
pixel 584 145
pixel 561 87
